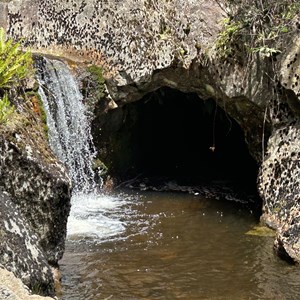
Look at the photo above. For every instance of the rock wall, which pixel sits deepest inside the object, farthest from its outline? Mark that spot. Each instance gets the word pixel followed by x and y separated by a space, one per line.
pixel 20 251
pixel 279 182
pixel 39 186
pixel 143 45
pixel 3 15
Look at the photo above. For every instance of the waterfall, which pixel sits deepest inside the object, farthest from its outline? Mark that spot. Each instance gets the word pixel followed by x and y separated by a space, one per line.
pixel 69 129
pixel 93 216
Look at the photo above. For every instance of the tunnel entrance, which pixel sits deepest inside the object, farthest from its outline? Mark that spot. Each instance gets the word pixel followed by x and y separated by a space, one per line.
pixel 174 136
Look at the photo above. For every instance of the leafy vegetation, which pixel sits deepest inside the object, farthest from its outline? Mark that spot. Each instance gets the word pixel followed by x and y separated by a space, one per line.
pixel 256 27
pixel 224 45
pixel 15 65
pixel 6 110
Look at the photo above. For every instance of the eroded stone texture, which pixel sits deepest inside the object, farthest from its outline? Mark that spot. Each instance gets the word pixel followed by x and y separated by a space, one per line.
pixel 20 252
pixel 290 75
pixel 134 37
pixel 280 186
pixel 3 14
pixel 39 187
pixel 279 181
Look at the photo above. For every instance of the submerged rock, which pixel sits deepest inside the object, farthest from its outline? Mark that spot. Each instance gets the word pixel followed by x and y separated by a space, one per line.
pixel 261 231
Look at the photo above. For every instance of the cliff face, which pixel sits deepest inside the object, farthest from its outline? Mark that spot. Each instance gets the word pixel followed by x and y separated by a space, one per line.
pixel 144 45
pixel 279 180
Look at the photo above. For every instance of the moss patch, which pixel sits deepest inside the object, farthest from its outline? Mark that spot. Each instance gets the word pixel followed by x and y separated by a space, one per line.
pixel 96 81
pixel 261 231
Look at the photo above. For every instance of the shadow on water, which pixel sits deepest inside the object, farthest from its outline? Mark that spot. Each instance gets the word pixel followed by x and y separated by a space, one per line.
pixel 177 246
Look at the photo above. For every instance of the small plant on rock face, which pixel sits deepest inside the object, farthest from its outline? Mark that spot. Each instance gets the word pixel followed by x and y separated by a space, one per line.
pixel 93 88
pixel 256 27
pixel 97 81
pixel 15 65
pixel 223 44
pixel 6 110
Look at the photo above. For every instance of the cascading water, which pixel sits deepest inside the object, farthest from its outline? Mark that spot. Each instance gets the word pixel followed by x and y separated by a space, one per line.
pixel 71 140
pixel 69 130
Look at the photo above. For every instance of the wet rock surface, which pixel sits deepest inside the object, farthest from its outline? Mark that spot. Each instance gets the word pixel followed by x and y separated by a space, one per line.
pixel 219 190
pixel 35 200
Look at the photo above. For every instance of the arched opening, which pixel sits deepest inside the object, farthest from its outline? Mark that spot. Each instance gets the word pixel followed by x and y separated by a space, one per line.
pixel 174 136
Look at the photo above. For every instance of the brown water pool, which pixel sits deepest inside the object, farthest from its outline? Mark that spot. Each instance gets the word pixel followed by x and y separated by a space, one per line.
pixel 176 246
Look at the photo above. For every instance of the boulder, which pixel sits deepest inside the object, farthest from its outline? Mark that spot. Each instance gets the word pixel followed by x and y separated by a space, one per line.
pixel 20 252
pixel 39 186
pixel 12 288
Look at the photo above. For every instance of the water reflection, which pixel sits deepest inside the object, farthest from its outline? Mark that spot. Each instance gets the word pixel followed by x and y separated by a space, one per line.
pixel 177 246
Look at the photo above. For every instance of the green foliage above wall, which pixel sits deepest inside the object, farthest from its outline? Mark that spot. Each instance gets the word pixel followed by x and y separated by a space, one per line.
pixel 15 65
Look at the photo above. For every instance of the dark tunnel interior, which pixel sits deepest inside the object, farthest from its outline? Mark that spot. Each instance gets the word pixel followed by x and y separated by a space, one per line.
pixel 174 135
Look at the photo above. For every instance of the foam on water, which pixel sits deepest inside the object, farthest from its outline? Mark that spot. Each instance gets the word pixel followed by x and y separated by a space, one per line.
pixel 95 217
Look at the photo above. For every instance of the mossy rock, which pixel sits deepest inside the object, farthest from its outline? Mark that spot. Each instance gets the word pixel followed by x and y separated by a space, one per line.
pixel 98 88
pixel 261 231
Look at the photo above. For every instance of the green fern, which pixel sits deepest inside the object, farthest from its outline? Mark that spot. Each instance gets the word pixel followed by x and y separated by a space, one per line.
pixel 15 65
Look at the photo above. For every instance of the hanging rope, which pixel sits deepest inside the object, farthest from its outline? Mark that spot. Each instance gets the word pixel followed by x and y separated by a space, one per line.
pixel 213 147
